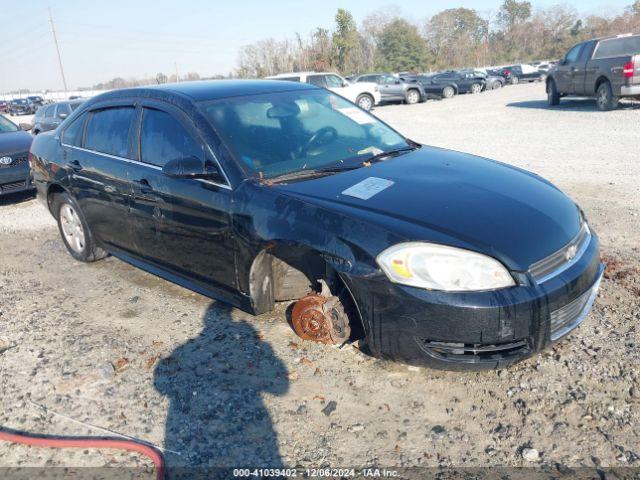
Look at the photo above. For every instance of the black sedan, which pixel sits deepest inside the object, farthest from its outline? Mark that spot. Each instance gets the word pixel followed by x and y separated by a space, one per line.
pixel 254 192
pixel 14 163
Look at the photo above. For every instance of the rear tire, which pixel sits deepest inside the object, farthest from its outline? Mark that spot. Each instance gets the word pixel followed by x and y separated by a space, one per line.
pixel 74 230
pixel 605 99
pixel 553 96
pixel 365 101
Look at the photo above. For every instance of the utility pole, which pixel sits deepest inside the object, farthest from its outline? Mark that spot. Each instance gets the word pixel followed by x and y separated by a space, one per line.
pixel 55 40
pixel 177 77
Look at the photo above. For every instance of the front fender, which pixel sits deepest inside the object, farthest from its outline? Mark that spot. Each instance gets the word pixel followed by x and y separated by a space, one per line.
pixel 268 221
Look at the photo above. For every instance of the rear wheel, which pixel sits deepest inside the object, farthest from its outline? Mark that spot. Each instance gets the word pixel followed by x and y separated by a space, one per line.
pixel 74 230
pixel 412 97
pixel 605 99
pixel 553 97
pixel 448 92
pixel 365 101
pixel 476 88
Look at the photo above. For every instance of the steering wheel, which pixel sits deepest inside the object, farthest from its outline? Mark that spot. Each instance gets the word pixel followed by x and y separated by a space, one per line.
pixel 323 136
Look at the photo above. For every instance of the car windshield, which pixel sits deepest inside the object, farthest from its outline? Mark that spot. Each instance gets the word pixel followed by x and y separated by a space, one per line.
pixel 6 126
pixel 281 133
pixel 20 101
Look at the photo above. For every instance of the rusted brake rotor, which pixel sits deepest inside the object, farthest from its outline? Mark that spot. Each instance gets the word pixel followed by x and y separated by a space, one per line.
pixel 320 319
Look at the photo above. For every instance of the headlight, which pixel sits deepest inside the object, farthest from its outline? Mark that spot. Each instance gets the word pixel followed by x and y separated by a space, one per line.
pixel 439 267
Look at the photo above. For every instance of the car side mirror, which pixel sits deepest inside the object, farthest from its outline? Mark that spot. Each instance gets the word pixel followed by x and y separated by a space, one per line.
pixel 345 83
pixel 190 167
pixel 398 81
pixel 26 126
pixel 563 61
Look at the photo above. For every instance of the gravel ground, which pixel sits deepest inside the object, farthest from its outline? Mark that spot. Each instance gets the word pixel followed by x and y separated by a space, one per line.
pixel 113 346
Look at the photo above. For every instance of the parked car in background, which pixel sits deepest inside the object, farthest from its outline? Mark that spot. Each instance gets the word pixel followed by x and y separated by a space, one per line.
pixel 15 175
pixel 50 116
pixel 491 81
pixel 522 73
pixel 21 106
pixel 365 95
pixel 438 89
pixel 36 101
pixel 464 82
pixel 254 192
pixel 395 89
pixel 4 106
pixel 605 68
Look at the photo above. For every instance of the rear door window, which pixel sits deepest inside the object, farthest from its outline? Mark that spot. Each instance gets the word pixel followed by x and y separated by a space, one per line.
pixel 108 130
pixel 163 138
pixel 48 113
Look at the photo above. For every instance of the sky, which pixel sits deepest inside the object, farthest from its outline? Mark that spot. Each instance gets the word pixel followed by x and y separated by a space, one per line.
pixel 139 38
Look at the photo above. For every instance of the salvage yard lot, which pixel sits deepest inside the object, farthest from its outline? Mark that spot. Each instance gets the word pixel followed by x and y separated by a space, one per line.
pixel 110 345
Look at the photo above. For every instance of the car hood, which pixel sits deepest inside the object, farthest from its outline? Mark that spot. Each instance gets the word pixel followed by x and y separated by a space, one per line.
pixel 14 142
pixel 458 199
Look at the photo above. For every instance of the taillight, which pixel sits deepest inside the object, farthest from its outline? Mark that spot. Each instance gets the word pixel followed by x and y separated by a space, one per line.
pixel 627 69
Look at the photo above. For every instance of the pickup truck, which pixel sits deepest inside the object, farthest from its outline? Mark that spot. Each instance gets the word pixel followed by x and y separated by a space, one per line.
pixel 605 68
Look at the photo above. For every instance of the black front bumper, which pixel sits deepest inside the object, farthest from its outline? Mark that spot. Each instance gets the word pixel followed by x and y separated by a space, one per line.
pixel 15 178
pixel 475 330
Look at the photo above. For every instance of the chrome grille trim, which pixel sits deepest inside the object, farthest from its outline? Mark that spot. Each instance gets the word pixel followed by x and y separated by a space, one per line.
pixel 557 262
pixel 566 318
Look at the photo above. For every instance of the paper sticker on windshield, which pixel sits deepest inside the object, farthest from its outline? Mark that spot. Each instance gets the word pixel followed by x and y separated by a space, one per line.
pixel 368 187
pixel 356 115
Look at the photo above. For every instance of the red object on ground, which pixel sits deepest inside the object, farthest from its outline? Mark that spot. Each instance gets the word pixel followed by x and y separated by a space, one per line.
pixel 88 442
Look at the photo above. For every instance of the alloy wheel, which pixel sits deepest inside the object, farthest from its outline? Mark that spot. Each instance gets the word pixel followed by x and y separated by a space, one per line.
pixel 365 103
pixel 413 97
pixel 72 228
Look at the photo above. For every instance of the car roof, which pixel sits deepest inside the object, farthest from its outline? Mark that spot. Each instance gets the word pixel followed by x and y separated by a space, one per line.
pixel 206 90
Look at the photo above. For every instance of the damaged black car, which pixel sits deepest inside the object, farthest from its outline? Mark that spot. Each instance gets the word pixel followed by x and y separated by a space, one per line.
pixel 256 192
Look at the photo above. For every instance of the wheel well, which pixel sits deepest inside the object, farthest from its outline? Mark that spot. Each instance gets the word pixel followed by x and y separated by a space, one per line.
pixel 53 190
pixel 283 273
pixel 602 79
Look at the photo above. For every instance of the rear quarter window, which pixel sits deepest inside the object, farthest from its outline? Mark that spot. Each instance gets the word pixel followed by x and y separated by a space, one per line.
pixel 617 47
pixel 108 130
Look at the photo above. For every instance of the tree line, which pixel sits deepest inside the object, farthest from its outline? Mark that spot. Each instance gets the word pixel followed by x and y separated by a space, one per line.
pixel 454 38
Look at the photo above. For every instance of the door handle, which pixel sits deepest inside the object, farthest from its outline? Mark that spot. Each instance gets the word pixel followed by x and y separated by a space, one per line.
pixel 75 165
pixel 143 185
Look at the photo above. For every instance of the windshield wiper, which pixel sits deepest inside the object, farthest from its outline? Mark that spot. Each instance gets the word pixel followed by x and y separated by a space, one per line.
pixel 313 172
pixel 392 153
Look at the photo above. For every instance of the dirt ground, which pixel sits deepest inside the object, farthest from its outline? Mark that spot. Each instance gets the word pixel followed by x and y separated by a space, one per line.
pixel 115 347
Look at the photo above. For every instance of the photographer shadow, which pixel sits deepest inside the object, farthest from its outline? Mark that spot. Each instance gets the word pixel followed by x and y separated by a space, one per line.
pixel 217 419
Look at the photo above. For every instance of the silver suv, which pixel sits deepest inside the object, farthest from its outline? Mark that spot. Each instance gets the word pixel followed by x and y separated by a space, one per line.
pixel 395 89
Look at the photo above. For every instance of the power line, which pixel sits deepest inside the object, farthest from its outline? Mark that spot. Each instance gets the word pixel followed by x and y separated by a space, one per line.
pixel 55 40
